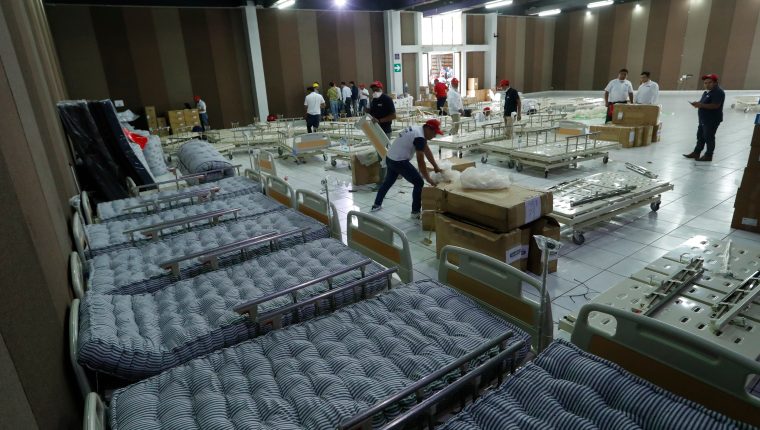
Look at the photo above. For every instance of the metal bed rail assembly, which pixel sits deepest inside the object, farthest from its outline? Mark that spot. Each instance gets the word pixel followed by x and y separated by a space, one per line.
pixel 279 190
pixel 532 137
pixel 135 191
pixel 572 153
pixel 363 420
pixel 153 232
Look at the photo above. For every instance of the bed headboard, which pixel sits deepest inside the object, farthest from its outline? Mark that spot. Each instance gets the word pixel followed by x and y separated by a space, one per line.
pixel 381 242
pixel 499 286
pixel 280 190
pixel 79 236
pixel 312 204
pixel 674 359
pixel 265 161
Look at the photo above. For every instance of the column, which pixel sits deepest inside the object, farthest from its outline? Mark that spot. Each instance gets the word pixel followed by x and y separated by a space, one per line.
pixel 392 24
pixel 491 27
pixel 257 63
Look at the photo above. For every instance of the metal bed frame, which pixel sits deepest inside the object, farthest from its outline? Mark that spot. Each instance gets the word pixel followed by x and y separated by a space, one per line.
pixel 572 154
pixel 747 103
pixel 302 145
pixel 581 203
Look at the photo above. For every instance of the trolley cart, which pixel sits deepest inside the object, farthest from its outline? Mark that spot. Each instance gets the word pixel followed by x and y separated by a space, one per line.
pixel 345 151
pixel 300 146
pixel 747 103
pixel 528 136
pixel 573 150
pixel 581 203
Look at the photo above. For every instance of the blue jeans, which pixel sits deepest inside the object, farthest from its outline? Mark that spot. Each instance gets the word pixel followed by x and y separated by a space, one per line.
pixel 335 109
pixel 362 105
pixel 408 172
pixel 706 136
pixel 204 121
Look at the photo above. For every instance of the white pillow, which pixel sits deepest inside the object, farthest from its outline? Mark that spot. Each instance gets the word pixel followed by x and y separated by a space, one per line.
pixel 154 155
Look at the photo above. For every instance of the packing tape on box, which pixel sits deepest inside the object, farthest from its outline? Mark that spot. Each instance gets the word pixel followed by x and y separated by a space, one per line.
pixel 532 209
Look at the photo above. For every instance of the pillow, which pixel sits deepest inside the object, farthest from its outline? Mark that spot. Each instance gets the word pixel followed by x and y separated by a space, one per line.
pixel 154 155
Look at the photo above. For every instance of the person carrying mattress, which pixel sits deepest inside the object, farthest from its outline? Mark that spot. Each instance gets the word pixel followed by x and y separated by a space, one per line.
pixel 412 140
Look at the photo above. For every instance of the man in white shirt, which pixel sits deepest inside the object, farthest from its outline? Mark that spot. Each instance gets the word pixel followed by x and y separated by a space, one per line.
pixel 363 98
pixel 412 140
pixel 314 103
pixel 648 91
pixel 345 94
pixel 619 90
pixel 202 114
pixel 456 108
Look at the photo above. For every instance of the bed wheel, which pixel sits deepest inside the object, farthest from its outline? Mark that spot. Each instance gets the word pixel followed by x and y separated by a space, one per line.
pixel 484 159
pixel 229 156
pixel 324 157
pixel 519 167
pixel 606 159
pixel 349 166
pixel 279 152
pixel 333 162
pixel 578 238
pixel 460 154
pixel 546 173
pixel 511 164
pixel 655 206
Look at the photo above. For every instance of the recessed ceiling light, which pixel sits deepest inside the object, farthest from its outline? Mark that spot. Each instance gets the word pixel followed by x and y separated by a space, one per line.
pixel 282 4
pixel 340 3
pixel 495 4
pixel 599 4
pixel 550 12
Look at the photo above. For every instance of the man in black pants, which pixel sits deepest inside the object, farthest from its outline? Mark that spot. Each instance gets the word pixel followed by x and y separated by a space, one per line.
pixel 314 103
pixel 710 111
pixel 619 90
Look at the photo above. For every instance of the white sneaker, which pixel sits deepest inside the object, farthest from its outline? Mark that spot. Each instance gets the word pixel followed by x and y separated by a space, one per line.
pixel 375 208
pixel 415 215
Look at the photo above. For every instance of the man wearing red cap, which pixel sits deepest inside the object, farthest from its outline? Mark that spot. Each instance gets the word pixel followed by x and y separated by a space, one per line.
pixel 710 113
pixel 512 108
pixel 456 108
pixel 440 95
pixel 201 106
pixel 382 109
pixel 412 140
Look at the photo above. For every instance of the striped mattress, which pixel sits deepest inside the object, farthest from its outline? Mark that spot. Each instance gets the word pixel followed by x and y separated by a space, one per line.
pixel 110 235
pixel 135 336
pixel 136 269
pixel 228 187
pixel 314 375
pixel 567 388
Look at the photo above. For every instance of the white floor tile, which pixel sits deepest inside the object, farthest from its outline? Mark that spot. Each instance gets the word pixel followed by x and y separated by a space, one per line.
pixel 593 256
pixel 628 267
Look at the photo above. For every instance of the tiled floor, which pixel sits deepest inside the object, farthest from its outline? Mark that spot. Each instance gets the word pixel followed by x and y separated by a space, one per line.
pixel 702 202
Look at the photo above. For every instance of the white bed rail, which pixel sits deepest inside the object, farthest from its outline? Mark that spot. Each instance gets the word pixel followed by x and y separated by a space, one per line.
pixel 279 190
pixel 86 206
pixel 312 204
pixel 79 236
pixel 81 375
pixel 94 413
pixel 674 359
pixel 380 241
pixel 76 275
pixel 499 287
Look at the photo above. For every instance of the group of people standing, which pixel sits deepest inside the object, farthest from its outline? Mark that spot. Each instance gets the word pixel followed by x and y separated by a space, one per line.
pixel 347 98
pixel 352 99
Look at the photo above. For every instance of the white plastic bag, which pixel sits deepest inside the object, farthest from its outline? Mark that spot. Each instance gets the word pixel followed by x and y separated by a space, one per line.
pixel 447 174
pixel 485 179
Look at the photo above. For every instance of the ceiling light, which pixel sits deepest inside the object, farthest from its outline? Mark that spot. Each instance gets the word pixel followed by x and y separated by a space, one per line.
pixel 495 4
pixel 282 4
pixel 550 12
pixel 638 6
pixel 451 12
pixel 340 3
pixel 599 4
pixel 588 13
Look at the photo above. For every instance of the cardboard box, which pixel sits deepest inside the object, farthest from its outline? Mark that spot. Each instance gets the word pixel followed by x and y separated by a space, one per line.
pixel 756 135
pixel 458 164
pixel 161 122
pixel 630 114
pixel 511 247
pixel 647 139
pixel 363 175
pixel 639 136
pixel 429 208
pixel 625 136
pixel 657 133
pixel 500 210
pixel 548 227
pixel 747 210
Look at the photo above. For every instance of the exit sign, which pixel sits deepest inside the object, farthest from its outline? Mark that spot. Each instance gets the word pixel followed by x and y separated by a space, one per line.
pixel 397 67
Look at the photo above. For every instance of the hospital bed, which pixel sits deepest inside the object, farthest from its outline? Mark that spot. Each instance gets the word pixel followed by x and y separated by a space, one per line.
pixel 198 156
pixel 583 202
pixel 262 166
pixel 573 150
pixel 318 373
pixel 521 137
pixel 115 234
pixel 347 150
pixel 300 146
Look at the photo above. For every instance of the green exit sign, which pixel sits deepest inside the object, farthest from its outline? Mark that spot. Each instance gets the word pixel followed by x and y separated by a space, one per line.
pixel 397 67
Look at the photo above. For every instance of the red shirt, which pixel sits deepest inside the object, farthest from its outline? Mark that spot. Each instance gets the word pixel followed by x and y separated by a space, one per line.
pixel 440 89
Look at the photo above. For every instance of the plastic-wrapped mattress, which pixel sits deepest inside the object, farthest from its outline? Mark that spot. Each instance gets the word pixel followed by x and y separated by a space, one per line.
pixel 198 156
pixel 567 388
pixel 316 374
pixel 111 235
pixel 136 269
pixel 228 187
pixel 135 336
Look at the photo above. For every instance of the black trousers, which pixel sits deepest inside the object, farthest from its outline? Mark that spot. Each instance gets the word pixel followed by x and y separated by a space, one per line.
pixel 440 101
pixel 706 137
pixel 312 122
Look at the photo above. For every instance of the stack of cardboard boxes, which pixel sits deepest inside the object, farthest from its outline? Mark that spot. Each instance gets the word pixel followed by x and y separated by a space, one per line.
pixel 498 223
pixel 747 204
pixel 183 120
pixel 632 125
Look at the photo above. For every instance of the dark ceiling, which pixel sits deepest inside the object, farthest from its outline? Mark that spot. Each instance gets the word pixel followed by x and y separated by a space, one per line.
pixel 428 7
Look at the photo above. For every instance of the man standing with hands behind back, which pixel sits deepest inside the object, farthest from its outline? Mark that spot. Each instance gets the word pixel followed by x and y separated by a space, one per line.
pixel 512 107
pixel 617 91
pixel 710 111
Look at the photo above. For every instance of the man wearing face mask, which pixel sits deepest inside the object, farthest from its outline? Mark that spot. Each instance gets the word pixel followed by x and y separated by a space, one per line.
pixel 381 108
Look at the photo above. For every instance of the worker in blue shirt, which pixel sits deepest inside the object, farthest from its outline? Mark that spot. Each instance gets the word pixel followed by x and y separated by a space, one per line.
pixel 710 112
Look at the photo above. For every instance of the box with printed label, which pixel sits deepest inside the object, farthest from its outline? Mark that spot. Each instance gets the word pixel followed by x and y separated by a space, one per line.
pixel 548 227
pixel 657 133
pixel 501 210
pixel 625 136
pixel 630 114
pixel 511 247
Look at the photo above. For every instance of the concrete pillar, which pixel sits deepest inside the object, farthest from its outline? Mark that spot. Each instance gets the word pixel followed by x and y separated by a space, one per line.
pixel 392 24
pixel 491 27
pixel 257 63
